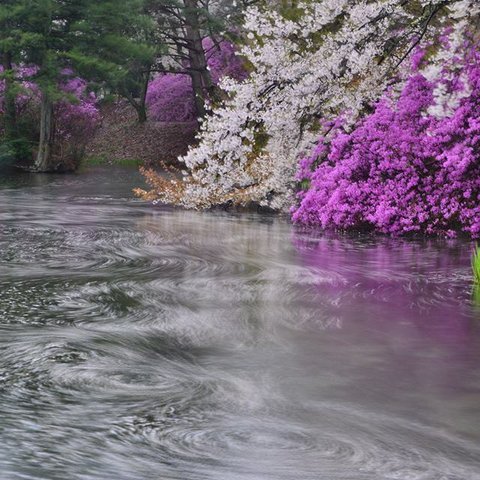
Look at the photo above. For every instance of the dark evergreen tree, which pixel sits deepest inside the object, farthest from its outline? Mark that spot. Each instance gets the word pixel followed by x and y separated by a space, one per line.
pixel 11 15
pixel 90 37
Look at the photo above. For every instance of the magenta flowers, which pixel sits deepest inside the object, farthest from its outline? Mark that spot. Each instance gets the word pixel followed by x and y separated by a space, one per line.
pixel 170 96
pixel 413 165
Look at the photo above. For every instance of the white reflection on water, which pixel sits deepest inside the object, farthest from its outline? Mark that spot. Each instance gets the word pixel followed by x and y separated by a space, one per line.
pixel 142 343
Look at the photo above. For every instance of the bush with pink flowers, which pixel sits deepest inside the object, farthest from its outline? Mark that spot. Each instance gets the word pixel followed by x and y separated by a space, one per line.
pixel 76 118
pixel 413 165
pixel 170 96
pixel 76 114
pixel 170 99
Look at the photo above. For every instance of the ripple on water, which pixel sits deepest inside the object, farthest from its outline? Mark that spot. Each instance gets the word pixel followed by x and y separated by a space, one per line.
pixel 139 344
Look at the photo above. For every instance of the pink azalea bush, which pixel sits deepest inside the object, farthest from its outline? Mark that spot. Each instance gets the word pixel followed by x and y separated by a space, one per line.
pixel 170 99
pixel 413 165
pixel 76 119
pixel 223 60
pixel 29 90
pixel 76 113
pixel 170 96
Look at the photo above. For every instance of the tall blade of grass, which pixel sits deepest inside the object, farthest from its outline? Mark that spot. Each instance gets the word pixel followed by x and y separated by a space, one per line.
pixel 476 276
pixel 476 295
pixel 476 265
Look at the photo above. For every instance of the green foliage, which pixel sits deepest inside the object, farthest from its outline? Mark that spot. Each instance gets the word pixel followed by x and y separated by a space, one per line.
pixel 7 154
pixel 291 11
pixel 12 150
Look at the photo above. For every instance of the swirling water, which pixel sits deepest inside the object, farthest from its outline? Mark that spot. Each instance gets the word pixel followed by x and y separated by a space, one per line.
pixel 148 343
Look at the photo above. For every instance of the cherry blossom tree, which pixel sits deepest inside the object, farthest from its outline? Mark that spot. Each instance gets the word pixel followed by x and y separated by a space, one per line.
pixel 323 59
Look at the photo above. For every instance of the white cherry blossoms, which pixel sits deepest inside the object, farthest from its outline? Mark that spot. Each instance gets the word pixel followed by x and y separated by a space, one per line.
pixel 333 57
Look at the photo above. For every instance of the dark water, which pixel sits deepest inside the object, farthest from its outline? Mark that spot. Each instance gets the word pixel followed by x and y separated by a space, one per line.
pixel 140 343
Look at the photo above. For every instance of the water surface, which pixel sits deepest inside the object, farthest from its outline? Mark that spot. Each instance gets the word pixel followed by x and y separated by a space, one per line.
pixel 145 343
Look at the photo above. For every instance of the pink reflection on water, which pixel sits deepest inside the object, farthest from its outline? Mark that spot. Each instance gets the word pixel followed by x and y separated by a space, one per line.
pixel 422 288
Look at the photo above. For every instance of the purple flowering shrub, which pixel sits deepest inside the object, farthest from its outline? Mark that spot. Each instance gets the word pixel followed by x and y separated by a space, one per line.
pixel 413 165
pixel 170 96
pixel 223 60
pixel 76 119
pixel 76 113
pixel 29 90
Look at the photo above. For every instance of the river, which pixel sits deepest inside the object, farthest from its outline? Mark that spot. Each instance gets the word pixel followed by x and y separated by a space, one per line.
pixel 148 343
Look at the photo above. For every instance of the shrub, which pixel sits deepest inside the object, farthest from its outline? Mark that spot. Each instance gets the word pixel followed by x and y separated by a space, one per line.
pixel 170 96
pixel 413 165
pixel 76 117
pixel 170 99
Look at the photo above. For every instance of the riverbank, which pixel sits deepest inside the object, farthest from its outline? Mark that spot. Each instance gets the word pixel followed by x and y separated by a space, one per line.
pixel 121 140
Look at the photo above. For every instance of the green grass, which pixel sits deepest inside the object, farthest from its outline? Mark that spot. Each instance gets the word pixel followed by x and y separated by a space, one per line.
pixel 128 162
pixel 103 161
pixel 476 276
pixel 476 265
pixel 476 295
pixel 94 161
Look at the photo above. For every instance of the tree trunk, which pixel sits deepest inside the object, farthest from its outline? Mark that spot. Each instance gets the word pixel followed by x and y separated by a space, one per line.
pixel 142 114
pixel 201 79
pixel 198 93
pixel 140 104
pixel 43 162
pixel 10 97
pixel 142 107
pixel 213 91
